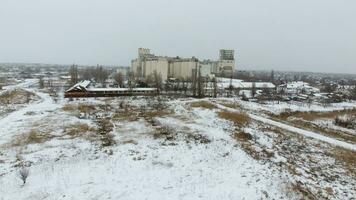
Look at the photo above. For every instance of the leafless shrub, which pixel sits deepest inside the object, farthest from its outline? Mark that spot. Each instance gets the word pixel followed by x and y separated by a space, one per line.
pixel 345 121
pixel 23 173
pixel 197 138
pixel 104 129
pixel 165 132
pixel 121 105
pixel 242 136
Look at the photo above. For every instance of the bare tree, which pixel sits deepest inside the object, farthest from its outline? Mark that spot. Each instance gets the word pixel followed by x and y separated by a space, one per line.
pixel 185 87
pixel 272 76
pixel 200 83
pixel 2 81
pixel 352 91
pixel 157 81
pixel 118 77
pixel 253 89
pixel 73 72
pixel 131 80
pixel 101 74
pixel 23 173
pixel 244 97
pixel 149 80
pixel 177 85
pixel 329 88
pixel 87 74
pixel 41 83
pixel 194 81
pixel 215 85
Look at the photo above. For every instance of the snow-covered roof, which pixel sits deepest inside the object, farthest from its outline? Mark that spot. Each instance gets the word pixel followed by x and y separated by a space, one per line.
pixel 299 85
pixel 83 86
pixel 237 83
pixel 119 89
pixel 79 86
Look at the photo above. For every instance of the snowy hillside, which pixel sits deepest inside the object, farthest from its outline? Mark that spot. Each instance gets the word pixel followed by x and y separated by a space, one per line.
pixel 161 148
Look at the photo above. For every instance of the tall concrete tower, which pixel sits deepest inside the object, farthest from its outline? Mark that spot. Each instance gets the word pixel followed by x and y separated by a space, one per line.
pixel 226 63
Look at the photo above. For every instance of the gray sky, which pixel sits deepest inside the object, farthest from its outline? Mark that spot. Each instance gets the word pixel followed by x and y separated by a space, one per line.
pixel 299 35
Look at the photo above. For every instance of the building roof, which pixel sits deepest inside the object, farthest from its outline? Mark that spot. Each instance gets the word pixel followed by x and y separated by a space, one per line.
pixel 119 89
pixel 237 83
pixel 79 86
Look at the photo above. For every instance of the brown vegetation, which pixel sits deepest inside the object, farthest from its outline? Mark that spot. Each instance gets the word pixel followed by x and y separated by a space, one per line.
pixel 346 158
pixel 164 132
pixel 80 130
pixel 311 116
pixel 242 136
pixel 155 113
pixel 239 118
pixel 300 190
pixel 85 108
pixel 203 104
pixel 126 115
pixel 231 105
pixel 105 128
pixel 33 137
pixel 18 96
pixel 323 130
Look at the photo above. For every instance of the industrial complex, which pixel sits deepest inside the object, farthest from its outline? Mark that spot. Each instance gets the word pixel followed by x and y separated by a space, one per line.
pixel 146 64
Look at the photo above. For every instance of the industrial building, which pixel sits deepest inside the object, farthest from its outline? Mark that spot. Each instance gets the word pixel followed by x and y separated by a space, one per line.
pixel 83 89
pixel 181 68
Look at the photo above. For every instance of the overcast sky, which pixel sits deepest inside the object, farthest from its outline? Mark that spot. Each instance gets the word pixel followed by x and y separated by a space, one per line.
pixel 298 35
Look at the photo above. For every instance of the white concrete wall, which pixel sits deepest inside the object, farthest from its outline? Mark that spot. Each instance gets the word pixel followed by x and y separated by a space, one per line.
pixel 159 65
pixel 182 69
pixel 135 64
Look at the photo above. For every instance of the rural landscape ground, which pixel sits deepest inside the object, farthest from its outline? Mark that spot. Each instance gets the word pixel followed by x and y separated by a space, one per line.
pixel 172 148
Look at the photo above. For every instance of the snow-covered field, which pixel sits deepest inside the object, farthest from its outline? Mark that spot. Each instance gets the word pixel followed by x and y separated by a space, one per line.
pixel 276 107
pixel 167 149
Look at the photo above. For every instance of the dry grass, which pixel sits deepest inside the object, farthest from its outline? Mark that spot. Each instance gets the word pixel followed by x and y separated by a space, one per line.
pixel 18 96
pixel 80 130
pixel 130 141
pixel 203 104
pixel 156 113
pixel 126 115
pixel 242 136
pixel 85 108
pixel 33 137
pixel 323 130
pixel 165 132
pixel 240 118
pixel 298 189
pixel 311 116
pixel 347 158
pixel 135 114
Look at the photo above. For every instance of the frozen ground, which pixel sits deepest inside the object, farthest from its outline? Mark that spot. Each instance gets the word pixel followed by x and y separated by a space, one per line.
pixel 165 149
pixel 276 107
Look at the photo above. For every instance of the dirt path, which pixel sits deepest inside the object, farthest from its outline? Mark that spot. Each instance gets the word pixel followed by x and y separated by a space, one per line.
pixel 293 129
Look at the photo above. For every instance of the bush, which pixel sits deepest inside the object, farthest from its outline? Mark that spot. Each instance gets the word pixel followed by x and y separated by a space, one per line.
pixel 345 121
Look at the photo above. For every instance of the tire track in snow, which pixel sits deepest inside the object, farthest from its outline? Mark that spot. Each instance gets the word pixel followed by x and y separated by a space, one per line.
pixel 293 129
